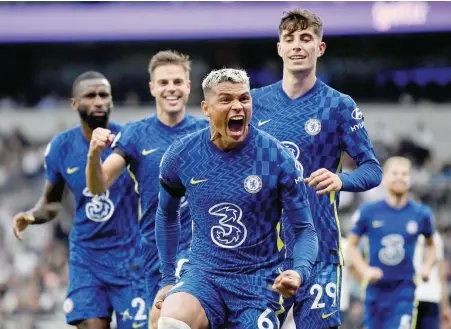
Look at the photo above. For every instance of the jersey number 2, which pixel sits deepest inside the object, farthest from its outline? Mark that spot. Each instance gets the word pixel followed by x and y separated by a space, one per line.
pixel 139 303
pixel 331 291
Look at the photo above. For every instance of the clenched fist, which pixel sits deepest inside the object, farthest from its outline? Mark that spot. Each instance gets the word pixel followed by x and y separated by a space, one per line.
pixel 101 139
pixel 287 283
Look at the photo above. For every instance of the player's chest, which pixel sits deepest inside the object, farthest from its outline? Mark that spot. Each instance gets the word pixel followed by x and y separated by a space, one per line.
pixel 234 181
pixel 406 228
pixel 73 168
pixel 300 128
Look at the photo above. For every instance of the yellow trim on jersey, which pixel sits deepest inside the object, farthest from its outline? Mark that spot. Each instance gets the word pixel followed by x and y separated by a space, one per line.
pixel 366 257
pixel 413 325
pixel 149 324
pixel 133 177
pixel 280 243
pixel 282 308
pixel 337 220
pixel 338 285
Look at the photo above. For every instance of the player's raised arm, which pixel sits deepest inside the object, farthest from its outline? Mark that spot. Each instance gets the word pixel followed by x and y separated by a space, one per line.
pixel 100 176
pixel 49 204
pixel 297 210
pixel 357 144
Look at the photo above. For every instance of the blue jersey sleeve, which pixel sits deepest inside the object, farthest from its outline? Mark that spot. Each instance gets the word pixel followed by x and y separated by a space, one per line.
pixel 427 223
pixel 356 142
pixel 126 142
pixel 361 225
pixel 167 220
pixel 52 158
pixel 298 215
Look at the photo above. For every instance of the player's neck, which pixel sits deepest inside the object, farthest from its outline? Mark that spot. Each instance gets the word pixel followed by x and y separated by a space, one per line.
pixel 298 84
pixel 87 132
pixel 397 201
pixel 169 119
pixel 223 143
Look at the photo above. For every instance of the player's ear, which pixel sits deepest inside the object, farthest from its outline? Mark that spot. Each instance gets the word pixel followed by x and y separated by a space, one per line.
pixel 74 103
pixel 279 49
pixel 205 108
pixel 322 48
pixel 151 88
pixel 188 84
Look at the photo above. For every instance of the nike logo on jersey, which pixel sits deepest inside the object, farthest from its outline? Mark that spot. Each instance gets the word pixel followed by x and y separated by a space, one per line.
pixel 261 123
pixel 194 182
pixel 138 325
pixel 325 316
pixel 147 152
pixel 70 171
pixel 377 223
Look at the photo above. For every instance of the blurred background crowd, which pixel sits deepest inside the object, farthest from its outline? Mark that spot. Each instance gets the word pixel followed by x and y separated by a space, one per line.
pixel 395 64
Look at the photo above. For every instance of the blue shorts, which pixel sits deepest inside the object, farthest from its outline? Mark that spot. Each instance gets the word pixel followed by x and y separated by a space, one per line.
pixel 239 301
pixel 390 306
pixel 93 295
pixel 317 303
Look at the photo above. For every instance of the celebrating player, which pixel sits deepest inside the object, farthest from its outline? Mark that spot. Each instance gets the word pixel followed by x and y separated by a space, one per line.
pixel 140 146
pixel 318 124
pixel 237 180
pixel 392 227
pixel 103 243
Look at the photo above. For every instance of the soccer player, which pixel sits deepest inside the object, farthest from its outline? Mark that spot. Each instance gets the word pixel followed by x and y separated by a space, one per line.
pixel 103 243
pixel 140 146
pixel 237 180
pixel 318 124
pixel 432 295
pixel 392 227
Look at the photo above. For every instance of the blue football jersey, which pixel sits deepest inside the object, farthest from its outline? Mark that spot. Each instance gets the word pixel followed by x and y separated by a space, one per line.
pixel 235 198
pixel 392 236
pixel 144 143
pixel 317 128
pixel 105 225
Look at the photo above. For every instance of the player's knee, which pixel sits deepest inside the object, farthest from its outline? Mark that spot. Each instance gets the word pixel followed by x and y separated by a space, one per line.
pixel 165 322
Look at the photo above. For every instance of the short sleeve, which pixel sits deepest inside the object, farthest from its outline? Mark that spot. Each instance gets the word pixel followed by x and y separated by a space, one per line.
pixel 361 224
pixel 125 141
pixel 169 172
pixel 427 225
pixel 52 159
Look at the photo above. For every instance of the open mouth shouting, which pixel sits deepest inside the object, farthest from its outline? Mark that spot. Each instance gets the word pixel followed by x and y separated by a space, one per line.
pixel 236 127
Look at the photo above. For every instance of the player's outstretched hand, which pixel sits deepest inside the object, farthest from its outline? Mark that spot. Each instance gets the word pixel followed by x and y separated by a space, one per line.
pixel 21 222
pixel 373 274
pixel 100 140
pixel 324 181
pixel 287 283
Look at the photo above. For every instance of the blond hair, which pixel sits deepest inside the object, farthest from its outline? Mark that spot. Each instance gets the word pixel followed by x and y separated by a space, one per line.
pixel 169 57
pixel 216 77
pixel 301 19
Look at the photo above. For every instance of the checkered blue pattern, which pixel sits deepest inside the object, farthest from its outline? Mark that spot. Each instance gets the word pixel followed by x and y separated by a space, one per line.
pixel 317 128
pixel 144 142
pixel 318 301
pixel 235 198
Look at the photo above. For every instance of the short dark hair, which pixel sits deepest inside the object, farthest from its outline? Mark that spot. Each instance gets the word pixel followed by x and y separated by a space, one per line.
pixel 301 19
pixel 89 75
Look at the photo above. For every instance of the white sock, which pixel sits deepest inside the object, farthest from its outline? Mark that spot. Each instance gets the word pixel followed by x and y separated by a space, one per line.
pixel 165 322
